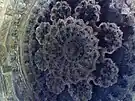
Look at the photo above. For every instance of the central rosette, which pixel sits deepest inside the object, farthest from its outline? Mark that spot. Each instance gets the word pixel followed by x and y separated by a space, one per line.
pixel 73 49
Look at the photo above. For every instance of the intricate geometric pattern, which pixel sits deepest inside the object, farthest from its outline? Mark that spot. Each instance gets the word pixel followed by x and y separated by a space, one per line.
pixel 73 46
pixel 82 46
